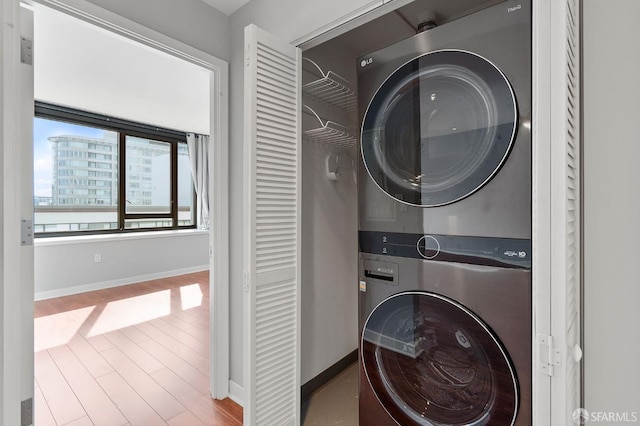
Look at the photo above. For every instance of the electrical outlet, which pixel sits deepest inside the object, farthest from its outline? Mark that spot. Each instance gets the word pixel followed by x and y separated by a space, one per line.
pixel 97 258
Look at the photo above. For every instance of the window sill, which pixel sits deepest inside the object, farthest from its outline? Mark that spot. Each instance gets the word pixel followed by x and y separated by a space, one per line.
pixel 85 239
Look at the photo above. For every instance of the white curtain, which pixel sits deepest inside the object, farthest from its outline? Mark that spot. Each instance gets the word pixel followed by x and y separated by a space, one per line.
pixel 198 146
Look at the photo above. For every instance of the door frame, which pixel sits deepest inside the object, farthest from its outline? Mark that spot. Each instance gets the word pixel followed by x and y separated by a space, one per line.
pixel 16 248
pixel 218 161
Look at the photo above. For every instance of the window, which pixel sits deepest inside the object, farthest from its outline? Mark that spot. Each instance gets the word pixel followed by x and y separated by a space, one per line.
pixel 96 174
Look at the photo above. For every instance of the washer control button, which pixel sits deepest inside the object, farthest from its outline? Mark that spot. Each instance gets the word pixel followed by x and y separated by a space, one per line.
pixel 428 247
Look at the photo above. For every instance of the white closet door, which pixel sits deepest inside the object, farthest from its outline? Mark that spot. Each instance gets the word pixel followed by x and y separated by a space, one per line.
pixel 556 210
pixel 272 223
pixel 565 214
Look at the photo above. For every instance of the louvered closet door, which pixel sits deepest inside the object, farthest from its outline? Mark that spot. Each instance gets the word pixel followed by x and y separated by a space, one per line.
pixel 565 221
pixel 272 222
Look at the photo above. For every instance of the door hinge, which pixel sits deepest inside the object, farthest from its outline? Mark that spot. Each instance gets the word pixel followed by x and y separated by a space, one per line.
pixel 549 355
pixel 245 284
pixel 26 232
pixel 26 412
pixel 26 51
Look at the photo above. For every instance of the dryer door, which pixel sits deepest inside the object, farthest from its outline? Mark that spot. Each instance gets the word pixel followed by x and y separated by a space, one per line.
pixel 439 128
pixel 431 361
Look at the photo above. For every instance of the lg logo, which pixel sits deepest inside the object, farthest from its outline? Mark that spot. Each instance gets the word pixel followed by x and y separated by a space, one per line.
pixel 366 62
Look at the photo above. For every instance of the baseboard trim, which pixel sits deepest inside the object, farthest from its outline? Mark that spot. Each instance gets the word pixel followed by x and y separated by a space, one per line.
pixel 50 294
pixel 236 393
pixel 321 379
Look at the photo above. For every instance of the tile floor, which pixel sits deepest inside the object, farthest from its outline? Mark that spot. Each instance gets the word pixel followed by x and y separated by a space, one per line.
pixel 336 403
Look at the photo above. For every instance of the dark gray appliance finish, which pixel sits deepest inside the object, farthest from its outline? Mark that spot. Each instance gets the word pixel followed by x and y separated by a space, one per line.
pixel 499 203
pixel 494 315
pixel 446 329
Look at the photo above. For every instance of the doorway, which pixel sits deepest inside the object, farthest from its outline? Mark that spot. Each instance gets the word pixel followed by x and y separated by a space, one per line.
pixel 218 234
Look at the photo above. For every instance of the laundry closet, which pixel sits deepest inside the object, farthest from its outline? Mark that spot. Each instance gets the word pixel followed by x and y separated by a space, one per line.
pixel 336 186
pixel 479 237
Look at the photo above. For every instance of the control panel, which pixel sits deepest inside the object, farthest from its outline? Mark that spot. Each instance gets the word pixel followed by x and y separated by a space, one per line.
pixel 505 252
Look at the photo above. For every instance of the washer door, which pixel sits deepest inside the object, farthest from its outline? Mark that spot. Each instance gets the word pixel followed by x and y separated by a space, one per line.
pixel 439 128
pixel 431 361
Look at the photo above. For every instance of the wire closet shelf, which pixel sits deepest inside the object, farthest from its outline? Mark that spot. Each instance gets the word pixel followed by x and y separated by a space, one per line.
pixel 330 133
pixel 329 88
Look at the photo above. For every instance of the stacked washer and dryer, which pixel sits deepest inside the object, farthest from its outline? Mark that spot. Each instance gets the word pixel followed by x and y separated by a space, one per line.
pixel 445 224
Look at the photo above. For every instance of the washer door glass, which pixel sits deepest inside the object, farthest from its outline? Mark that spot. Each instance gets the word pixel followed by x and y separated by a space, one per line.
pixel 439 128
pixel 430 361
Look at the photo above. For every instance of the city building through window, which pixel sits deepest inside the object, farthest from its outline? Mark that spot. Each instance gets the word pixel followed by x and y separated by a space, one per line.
pixel 95 174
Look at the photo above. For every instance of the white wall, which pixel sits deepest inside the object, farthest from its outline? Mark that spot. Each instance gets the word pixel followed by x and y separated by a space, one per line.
pixel 67 265
pixel 273 16
pixel 612 205
pixel 97 69
pixel 192 22
pixel 329 234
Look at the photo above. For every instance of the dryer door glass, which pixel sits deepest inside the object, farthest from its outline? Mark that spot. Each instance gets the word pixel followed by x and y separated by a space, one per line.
pixel 430 361
pixel 439 128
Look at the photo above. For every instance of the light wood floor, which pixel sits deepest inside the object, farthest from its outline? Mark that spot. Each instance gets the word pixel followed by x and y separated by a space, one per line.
pixel 132 355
